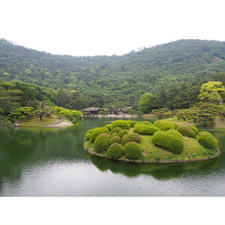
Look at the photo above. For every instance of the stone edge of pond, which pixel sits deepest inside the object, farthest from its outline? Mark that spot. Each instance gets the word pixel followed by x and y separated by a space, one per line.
pixel 154 162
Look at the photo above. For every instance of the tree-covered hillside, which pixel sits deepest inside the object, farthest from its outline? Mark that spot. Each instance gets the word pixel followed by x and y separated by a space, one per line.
pixel 165 70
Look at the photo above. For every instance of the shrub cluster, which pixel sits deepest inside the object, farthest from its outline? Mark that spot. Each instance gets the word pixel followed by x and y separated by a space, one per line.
pixel 164 125
pixel 123 132
pixel 195 129
pixel 121 124
pixel 132 151
pixel 171 140
pixel 146 122
pixel 145 129
pixel 115 151
pixel 116 130
pixel 96 131
pixel 187 131
pixel 115 139
pixel 101 143
pixel 109 127
pixel 207 140
pixel 130 138
pixel 131 123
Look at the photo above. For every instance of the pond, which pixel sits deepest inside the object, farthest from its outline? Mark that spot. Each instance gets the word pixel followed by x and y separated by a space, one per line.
pixel 51 162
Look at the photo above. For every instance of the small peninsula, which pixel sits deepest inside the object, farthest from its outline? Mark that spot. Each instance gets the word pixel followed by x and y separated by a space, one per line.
pixel 146 142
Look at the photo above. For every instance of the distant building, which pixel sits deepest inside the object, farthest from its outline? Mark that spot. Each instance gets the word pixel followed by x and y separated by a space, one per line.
pixel 91 110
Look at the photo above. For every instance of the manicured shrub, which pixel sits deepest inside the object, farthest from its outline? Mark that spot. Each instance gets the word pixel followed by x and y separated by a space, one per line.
pixel 145 129
pixel 96 131
pixel 131 122
pixel 170 140
pixel 145 122
pixel 101 143
pixel 109 127
pixel 115 151
pixel 115 139
pixel 132 150
pixel 116 130
pixel 164 125
pixel 114 134
pixel 88 134
pixel 121 124
pixel 207 140
pixel 123 132
pixel 130 137
pixel 195 129
pixel 186 131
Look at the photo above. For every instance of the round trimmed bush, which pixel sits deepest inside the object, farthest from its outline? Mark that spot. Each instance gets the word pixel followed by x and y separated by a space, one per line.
pixel 131 122
pixel 195 129
pixel 186 131
pixel 115 151
pixel 145 122
pixel 96 131
pixel 121 124
pixel 130 138
pixel 170 140
pixel 115 139
pixel 123 132
pixel 145 129
pixel 207 140
pixel 116 130
pixel 132 150
pixel 109 127
pixel 101 143
pixel 114 134
pixel 164 125
pixel 88 134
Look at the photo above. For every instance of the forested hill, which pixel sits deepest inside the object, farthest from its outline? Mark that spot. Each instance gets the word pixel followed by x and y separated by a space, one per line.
pixel 101 79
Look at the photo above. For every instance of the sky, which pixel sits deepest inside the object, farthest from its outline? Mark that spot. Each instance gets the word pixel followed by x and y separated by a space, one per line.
pixel 108 27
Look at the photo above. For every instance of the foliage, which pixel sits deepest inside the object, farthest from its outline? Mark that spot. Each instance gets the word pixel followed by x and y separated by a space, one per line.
pixel 132 150
pixel 147 102
pixel 115 139
pixel 131 122
pixel 207 140
pixel 72 115
pixel 163 113
pixel 170 140
pixel 145 129
pixel 97 131
pixel 116 130
pixel 109 127
pixel 164 125
pixel 101 143
pixel 122 133
pixel 131 137
pixel 121 124
pixel 23 113
pixel 213 92
pixel 187 131
pixel 115 151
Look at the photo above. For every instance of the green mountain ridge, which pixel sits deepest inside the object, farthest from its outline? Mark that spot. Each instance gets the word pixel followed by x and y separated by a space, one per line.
pixel 121 78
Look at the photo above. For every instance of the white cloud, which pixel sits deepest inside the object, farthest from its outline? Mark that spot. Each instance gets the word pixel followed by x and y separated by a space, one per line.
pixel 96 27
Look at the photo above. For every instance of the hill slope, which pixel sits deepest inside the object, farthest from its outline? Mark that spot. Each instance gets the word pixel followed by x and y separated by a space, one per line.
pixel 123 78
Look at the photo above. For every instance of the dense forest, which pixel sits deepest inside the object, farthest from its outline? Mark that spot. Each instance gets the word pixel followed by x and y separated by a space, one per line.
pixel 174 72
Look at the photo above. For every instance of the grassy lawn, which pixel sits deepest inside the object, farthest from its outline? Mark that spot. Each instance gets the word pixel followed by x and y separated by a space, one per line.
pixel 36 122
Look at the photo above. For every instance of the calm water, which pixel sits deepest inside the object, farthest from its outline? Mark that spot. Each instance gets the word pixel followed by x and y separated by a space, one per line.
pixel 49 162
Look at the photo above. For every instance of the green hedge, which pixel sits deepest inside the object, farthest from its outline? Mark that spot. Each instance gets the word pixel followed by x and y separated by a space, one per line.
pixel 170 140
pixel 116 130
pixel 115 139
pixel 115 151
pixel 186 131
pixel 130 137
pixel 123 132
pixel 96 131
pixel 109 127
pixel 101 143
pixel 131 122
pixel 121 124
pixel 164 125
pixel 207 140
pixel 145 129
pixel 132 150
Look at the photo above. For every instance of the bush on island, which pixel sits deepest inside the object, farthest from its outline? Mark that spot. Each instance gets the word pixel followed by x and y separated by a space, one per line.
pixel 130 138
pixel 207 140
pixel 101 143
pixel 164 125
pixel 170 140
pixel 123 132
pixel 186 131
pixel 115 139
pixel 96 131
pixel 121 124
pixel 88 134
pixel 131 122
pixel 132 150
pixel 109 127
pixel 145 129
pixel 115 151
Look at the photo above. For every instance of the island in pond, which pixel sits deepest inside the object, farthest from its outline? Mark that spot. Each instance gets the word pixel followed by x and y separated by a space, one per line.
pixel 145 142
